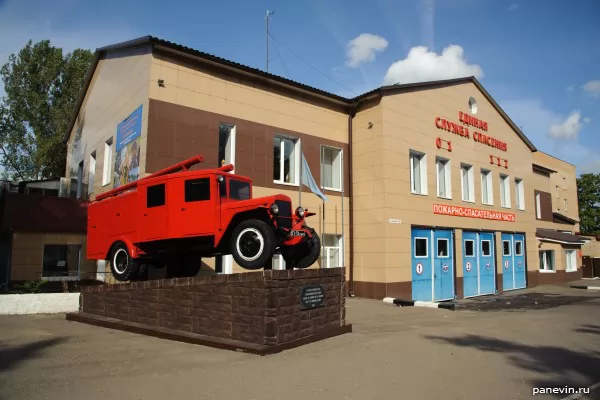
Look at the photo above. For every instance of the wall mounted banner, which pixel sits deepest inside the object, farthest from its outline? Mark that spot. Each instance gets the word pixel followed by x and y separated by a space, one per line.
pixel 457 211
pixel 127 157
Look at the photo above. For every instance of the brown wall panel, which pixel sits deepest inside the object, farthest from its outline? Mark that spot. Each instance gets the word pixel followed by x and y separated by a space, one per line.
pixel 545 204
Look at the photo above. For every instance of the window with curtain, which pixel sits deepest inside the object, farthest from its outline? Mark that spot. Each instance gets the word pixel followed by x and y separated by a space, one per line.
pixel 286 160
pixel 331 254
pixel 331 168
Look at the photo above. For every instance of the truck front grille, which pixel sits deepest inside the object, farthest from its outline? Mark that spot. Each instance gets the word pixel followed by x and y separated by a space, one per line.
pixel 284 218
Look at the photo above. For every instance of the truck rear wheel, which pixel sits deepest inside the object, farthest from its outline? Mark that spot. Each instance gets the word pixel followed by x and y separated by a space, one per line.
pixel 305 255
pixel 252 244
pixel 122 266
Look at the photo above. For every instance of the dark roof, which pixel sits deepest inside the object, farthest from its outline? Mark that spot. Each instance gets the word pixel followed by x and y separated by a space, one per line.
pixel 543 169
pixel 162 44
pixel 556 236
pixel 564 218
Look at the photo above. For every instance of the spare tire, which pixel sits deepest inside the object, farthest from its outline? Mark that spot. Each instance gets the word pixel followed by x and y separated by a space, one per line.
pixel 252 244
pixel 303 255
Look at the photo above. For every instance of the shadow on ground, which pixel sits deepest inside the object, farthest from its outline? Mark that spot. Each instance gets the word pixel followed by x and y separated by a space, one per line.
pixel 560 366
pixel 593 329
pixel 10 356
pixel 520 302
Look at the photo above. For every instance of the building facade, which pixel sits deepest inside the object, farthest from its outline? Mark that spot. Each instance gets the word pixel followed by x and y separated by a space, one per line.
pixel 433 193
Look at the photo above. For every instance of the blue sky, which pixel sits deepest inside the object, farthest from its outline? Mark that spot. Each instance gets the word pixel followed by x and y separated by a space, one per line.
pixel 542 64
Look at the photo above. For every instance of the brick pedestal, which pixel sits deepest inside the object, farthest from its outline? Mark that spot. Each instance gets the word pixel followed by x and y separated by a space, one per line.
pixel 259 312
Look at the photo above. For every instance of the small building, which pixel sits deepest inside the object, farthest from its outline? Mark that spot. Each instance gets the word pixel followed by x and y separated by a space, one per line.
pixel 433 192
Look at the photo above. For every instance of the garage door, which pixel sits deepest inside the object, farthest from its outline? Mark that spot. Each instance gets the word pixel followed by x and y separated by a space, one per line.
pixel 513 261
pixel 478 264
pixel 432 264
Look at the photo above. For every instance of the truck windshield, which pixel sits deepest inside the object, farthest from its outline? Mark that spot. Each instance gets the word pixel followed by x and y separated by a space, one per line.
pixel 239 190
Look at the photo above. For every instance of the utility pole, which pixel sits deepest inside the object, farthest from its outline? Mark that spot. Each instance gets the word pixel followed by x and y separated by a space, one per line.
pixel 267 18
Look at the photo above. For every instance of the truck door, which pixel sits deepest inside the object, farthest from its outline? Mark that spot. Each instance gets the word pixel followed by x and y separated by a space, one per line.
pixel 152 212
pixel 192 207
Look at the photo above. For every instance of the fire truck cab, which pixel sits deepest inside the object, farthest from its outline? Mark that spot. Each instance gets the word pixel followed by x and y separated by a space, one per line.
pixel 177 216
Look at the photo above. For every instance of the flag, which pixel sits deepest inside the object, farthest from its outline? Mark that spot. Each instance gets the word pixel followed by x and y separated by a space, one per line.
pixel 309 181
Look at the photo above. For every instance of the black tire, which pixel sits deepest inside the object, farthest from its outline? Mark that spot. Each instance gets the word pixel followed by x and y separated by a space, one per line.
pixel 304 255
pixel 122 266
pixel 252 244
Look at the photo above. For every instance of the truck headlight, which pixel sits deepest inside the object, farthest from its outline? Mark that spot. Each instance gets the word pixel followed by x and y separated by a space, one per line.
pixel 300 212
pixel 274 208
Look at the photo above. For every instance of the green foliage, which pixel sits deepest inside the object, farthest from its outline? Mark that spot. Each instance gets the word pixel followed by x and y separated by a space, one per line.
pixel 31 286
pixel 588 192
pixel 41 87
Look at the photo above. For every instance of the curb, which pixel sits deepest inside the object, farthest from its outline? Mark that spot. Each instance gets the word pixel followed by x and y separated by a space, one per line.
pixel 418 303
pixel 585 287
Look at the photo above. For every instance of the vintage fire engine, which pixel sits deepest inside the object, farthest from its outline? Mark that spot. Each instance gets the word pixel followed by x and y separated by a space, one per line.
pixel 177 216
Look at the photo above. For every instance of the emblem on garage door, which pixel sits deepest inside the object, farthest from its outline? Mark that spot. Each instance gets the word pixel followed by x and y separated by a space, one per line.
pixel 506 264
pixel 488 266
pixel 419 268
pixel 520 264
pixel 468 266
pixel 445 268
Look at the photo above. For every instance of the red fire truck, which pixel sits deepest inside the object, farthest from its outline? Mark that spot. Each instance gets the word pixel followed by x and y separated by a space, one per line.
pixel 177 216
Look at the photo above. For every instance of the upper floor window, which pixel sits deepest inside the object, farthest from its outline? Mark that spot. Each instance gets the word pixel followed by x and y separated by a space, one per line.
pixel 556 191
pixel 538 206
pixel 331 168
pixel 467 182
pixel 418 172
pixel 286 160
pixel 444 184
pixel 504 191
pixel 564 182
pixel 565 205
pixel 226 144
pixel 106 168
pixel 519 194
pixel 92 172
pixel 487 193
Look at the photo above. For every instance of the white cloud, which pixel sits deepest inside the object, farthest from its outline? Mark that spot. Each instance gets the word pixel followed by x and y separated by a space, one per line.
pixel 567 129
pixel 423 65
pixel 593 88
pixel 513 7
pixel 363 48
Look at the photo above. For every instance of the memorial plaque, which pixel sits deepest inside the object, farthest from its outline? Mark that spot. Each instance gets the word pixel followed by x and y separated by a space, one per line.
pixel 312 296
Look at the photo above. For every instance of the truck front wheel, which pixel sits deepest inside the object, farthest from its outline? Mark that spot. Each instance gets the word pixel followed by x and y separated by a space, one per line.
pixel 122 266
pixel 252 244
pixel 305 254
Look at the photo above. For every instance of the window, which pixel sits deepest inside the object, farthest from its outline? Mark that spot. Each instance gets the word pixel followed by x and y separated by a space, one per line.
pixel 226 144
pixel 518 248
pixel 239 190
pixel 61 260
pixel 538 206
pixel 519 194
pixel 467 182
pixel 565 205
pixel 547 260
pixel 487 193
pixel 421 247
pixel 106 168
pixel 444 188
pixel 197 190
pixel 80 180
pixel 286 160
pixel 330 257
pixel 570 261
pixel 92 172
pixel 486 248
pixel 331 168
pixel 442 247
pixel 418 172
pixel 155 196
pixel 564 183
pixel 504 191
pixel 556 192
pixel 469 248
pixel 506 247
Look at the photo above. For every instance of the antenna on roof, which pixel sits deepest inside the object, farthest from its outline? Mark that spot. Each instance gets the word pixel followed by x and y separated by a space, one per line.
pixel 267 18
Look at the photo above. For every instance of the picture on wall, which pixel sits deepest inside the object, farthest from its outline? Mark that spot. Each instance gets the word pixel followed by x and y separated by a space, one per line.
pixel 127 157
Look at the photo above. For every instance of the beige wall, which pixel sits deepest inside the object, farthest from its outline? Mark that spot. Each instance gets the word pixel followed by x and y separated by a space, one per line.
pixel 120 84
pixel 28 253
pixel 407 121
pixel 591 248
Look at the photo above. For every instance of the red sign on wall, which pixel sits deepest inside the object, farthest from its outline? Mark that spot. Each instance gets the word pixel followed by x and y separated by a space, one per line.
pixel 458 211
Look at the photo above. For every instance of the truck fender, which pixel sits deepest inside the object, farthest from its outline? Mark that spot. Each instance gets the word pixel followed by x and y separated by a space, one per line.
pixel 133 250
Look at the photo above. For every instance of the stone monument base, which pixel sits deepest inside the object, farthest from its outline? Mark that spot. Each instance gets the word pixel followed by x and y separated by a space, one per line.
pixel 261 312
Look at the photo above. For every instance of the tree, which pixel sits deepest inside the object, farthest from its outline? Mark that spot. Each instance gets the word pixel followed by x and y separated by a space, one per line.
pixel 588 192
pixel 41 87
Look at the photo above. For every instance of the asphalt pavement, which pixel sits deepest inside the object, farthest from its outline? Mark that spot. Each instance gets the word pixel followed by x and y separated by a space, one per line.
pixel 393 353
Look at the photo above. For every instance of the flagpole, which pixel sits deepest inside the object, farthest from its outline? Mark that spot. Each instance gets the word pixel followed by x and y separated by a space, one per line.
pixel 323 201
pixel 300 175
pixel 343 233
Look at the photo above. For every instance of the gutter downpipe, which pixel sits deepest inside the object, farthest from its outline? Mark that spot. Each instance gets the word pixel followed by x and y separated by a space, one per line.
pixel 351 115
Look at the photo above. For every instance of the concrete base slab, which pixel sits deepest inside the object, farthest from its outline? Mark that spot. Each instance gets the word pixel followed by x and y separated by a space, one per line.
pixel 585 287
pixel 418 303
pixel 194 338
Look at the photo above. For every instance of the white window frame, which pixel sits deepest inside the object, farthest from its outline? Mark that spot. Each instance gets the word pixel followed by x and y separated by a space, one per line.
pixel 519 194
pixel 544 264
pixel 504 191
pixel 421 158
pixel 447 177
pixel 426 247
pixel 107 167
pixel 92 172
pixel 570 261
pixel 437 246
pixel 564 182
pixel 538 206
pixel 339 171
pixel 565 205
pixel 556 194
pixel 297 160
pixel 486 180
pixel 231 144
pixel 470 182
pixel 326 250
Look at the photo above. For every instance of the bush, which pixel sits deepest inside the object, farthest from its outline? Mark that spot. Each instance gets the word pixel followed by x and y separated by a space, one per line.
pixel 31 286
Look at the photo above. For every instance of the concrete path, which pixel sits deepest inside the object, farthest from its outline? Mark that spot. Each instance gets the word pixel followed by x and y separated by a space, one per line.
pixel 394 353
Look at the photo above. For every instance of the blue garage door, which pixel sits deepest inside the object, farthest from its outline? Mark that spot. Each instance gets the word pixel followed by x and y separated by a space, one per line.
pixel 478 264
pixel 513 261
pixel 432 264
